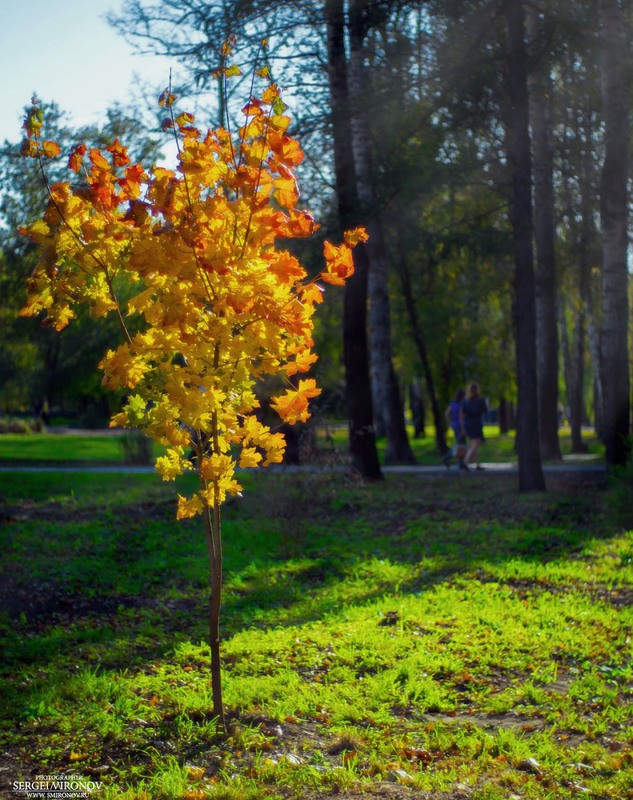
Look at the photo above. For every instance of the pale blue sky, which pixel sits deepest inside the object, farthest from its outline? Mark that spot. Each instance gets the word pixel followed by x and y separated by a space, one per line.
pixel 66 52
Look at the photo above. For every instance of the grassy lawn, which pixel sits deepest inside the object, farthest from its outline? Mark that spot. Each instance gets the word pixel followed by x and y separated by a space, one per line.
pixel 331 439
pixel 107 447
pixel 497 447
pixel 60 447
pixel 441 636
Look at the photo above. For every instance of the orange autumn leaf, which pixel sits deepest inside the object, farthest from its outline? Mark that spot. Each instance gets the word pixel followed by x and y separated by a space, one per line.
pixel 75 159
pixel 184 119
pixel 270 94
pixel 286 192
pixel 253 108
pixel 286 149
pixel 74 162
pixel 312 293
pixel 29 148
pixel 355 236
pixel 339 263
pixel 302 363
pixel 50 149
pixel 293 405
pixel 119 153
pixel 300 223
pixel 131 183
pixel 287 267
pixel 98 160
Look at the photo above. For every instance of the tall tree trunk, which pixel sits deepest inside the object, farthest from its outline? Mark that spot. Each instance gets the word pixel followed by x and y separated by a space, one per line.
pixel 615 43
pixel 386 389
pixel 362 439
pixel 544 236
pixel 530 469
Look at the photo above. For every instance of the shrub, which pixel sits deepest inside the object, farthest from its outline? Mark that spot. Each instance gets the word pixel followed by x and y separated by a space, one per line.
pixel 19 425
pixel 137 448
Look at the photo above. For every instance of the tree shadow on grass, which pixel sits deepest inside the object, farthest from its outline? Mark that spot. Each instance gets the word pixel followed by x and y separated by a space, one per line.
pixel 119 590
pixel 134 582
pixel 291 542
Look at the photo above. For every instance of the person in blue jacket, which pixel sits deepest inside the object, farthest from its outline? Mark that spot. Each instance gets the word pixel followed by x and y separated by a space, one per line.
pixel 471 420
pixel 452 414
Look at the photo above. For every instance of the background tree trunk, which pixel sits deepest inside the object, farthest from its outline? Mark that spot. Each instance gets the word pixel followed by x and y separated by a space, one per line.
pixel 530 468
pixel 614 367
pixel 544 236
pixel 587 253
pixel 418 338
pixel 418 408
pixel 386 389
pixel 362 439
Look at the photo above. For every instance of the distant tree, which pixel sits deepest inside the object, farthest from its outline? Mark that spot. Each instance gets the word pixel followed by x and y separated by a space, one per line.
pixel 40 366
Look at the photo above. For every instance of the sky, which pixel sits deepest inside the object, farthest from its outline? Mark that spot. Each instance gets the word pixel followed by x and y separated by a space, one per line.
pixel 65 51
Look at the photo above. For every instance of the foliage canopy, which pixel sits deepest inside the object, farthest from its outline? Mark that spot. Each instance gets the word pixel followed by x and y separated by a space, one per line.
pixel 188 262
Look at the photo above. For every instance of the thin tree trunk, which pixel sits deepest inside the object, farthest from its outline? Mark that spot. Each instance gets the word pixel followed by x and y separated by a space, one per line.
pixel 530 468
pixel 544 235
pixel 416 403
pixel 615 42
pixel 593 336
pixel 362 439
pixel 420 343
pixel 386 389
pixel 573 351
pixel 214 546
pixel 587 249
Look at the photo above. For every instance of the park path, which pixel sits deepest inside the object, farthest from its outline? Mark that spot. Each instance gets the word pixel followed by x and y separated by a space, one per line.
pixel 498 468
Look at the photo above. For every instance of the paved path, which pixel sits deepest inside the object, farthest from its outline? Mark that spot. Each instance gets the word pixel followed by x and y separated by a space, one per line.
pixel 488 467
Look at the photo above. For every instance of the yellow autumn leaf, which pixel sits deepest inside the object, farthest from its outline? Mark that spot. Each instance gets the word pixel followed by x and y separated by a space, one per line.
pixel 171 465
pixel 189 506
pixel 249 457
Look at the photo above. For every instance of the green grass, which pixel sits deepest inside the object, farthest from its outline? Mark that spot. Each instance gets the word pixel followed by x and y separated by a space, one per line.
pixel 451 635
pixel 332 438
pixel 496 448
pixel 60 447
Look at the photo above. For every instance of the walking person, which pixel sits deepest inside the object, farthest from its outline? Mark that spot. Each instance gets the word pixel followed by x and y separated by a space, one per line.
pixel 452 414
pixel 471 420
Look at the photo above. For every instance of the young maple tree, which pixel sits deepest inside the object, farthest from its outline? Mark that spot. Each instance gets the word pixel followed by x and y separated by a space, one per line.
pixel 208 302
